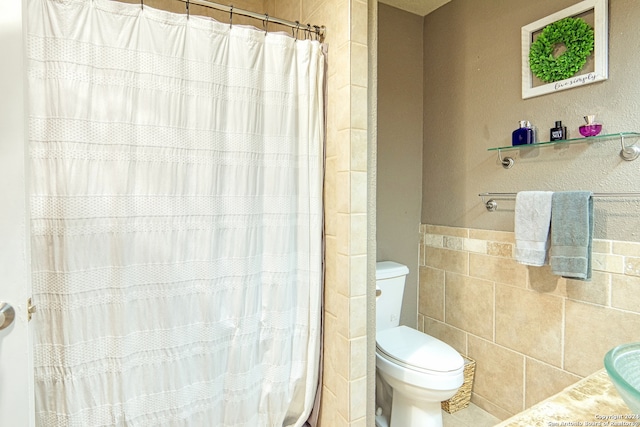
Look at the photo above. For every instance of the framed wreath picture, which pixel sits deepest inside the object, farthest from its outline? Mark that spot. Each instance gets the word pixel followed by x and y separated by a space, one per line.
pixel 565 50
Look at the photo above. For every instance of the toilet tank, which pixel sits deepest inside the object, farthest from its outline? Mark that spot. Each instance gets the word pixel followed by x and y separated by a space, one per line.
pixel 390 278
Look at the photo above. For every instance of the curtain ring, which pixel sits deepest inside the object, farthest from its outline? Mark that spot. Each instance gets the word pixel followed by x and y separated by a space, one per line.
pixel 231 16
pixel 294 31
pixel 266 22
pixel 317 31
pixel 308 36
pixel 187 5
pixel 142 4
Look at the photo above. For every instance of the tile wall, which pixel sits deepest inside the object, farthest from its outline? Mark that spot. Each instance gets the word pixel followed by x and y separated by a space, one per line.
pixel 531 333
pixel 344 389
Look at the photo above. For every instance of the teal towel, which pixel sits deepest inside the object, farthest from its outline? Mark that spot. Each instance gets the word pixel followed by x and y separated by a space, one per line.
pixel 571 234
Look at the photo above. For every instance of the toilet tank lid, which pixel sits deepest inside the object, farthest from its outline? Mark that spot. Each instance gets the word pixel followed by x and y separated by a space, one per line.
pixel 389 269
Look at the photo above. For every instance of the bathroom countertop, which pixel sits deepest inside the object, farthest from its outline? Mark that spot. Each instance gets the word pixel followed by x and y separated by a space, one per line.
pixel 592 401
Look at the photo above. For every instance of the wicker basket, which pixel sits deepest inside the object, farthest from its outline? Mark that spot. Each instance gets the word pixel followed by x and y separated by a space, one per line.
pixel 462 398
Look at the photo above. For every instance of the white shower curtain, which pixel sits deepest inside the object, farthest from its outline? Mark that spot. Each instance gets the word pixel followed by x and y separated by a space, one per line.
pixel 176 176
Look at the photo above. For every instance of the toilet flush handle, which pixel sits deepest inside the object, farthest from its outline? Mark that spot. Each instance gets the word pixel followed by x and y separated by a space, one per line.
pixel 378 293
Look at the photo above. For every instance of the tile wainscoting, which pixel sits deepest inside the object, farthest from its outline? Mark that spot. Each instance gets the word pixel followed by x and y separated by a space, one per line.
pixel 531 333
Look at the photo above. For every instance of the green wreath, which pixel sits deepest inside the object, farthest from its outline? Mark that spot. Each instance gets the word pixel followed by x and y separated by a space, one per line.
pixel 577 37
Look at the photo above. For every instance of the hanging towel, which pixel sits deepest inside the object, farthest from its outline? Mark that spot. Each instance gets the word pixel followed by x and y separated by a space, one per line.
pixel 572 234
pixel 532 221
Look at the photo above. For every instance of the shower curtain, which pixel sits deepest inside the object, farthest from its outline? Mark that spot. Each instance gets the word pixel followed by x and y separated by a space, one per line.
pixel 176 199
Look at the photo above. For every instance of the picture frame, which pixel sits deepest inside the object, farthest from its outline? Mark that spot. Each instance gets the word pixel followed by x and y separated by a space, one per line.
pixel 597 67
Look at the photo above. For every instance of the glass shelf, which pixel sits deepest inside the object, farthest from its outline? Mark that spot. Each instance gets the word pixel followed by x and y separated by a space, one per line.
pixel 607 137
pixel 627 152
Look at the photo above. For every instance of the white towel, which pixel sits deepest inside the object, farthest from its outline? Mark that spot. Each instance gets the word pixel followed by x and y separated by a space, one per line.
pixel 532 222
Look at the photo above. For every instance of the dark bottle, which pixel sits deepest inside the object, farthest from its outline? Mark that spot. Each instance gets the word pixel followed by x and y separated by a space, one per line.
pixel 523 135
pixel 557 133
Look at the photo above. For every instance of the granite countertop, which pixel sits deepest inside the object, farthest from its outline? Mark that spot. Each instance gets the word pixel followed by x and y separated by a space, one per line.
pixel 592 401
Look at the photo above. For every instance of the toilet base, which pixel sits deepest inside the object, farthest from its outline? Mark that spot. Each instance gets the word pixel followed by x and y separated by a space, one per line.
pixel 408 412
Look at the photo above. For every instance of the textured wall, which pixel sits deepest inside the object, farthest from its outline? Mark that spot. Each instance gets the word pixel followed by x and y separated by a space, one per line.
pixel 399 165
pixel 531 333
pixel 472 88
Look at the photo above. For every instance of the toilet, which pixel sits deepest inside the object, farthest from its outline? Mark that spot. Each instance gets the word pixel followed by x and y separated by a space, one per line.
pixel 418 370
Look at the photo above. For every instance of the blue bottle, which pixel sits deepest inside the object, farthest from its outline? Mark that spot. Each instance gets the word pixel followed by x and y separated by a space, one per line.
pixel 523 135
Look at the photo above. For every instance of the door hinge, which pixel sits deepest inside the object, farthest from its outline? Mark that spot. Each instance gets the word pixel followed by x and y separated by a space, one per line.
pixel 30 309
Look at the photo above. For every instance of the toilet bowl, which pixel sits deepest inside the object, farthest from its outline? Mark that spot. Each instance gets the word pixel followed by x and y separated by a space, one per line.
pixel 420 370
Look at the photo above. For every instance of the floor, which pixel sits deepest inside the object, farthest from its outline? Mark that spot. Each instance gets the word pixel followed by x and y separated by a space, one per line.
pixel 472 416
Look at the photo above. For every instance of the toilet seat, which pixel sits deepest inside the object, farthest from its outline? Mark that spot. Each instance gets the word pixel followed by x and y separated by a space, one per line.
pixel 417 351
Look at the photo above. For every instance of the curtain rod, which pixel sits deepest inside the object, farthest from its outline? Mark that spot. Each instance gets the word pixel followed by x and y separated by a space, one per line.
pixel 319 31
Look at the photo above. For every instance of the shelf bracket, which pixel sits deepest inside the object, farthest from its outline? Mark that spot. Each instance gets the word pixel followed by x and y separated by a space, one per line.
pixel 628 153
pixel 507 162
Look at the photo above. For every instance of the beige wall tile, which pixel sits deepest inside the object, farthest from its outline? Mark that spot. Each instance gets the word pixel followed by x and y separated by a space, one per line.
pixel 490 407
pixel 358 153
pixel 591 331
pixel 469 304
pixel 447 259
pixel 595 291
pixel 358 273
pixel 608 263
pixel 358 317
pixel 329 408
pixel 359 61
pixel 632 266
pixel 475 245
pixel 504 250
pixel 602 246
pixel 288 9
pixel 358 203
pixel 541 279
pixel 359 108
pixel 501 383
pixel 492 235
pixel 431 293
pixel 455 243
pixel 625 292
pixel 455 337
pixel 357 398
pixel 626 248
pixel 358 353
pixel 543 380
pixel 434 240
pixel 447 231
pixel 530 323
pixel 498 269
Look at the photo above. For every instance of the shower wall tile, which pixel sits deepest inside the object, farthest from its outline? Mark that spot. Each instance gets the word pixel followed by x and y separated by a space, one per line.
pixel 343 149
pixel 531 332
pixel 359 64
pixel 358 272
pixel 358 153
pixel 358 200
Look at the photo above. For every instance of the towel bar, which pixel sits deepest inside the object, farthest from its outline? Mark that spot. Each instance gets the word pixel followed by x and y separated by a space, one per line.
pixel 492 205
